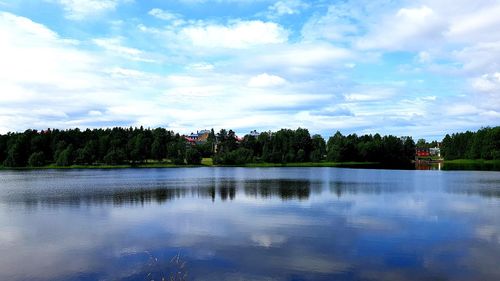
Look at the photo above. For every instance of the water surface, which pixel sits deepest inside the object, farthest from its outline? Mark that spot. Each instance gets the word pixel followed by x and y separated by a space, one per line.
pixel 249 224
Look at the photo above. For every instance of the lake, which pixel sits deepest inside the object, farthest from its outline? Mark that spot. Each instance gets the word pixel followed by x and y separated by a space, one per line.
pixel 249 224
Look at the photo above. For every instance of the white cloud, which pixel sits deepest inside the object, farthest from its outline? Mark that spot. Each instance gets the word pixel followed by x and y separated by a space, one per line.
pixel 429 98
pixel 32 54
pixel 287 7
pixel 371 95
pixel 120 72
pixel 407 29
pixel 44 76
pixel 221 1
pixel 82 9
pixel 426 24
pixel 337 24
pixel 238 35
pixel 424 57
pixel 164 15
pixel 359 97
pixel 239 65
pixel 479 23
pixel 461 109
pixel 249 46
pixel 107 93
pixel 487 83
pixel 201 66
pixel 265 80
pixel 48 112
pixel 115 46
pixel 479 58
pixel 299 59
pixel 94 113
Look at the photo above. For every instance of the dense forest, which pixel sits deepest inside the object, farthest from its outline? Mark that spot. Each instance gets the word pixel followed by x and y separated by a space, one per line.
pixel 134 146
pixel 285 146
pixel 483 144
pixel 98 146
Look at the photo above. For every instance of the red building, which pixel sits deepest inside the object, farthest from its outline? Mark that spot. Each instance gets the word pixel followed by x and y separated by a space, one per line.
pixel 423 152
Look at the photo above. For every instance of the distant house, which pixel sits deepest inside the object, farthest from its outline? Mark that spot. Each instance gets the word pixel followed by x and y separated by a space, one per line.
pixel 192 137
pixel 422 152
pixel 435 151
pixel 199 137
pixel 190 140
pixel 203 136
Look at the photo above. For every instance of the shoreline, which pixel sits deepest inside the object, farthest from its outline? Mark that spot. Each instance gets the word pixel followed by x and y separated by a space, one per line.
pixel 471 161
pixel 169 165
pixel 208 163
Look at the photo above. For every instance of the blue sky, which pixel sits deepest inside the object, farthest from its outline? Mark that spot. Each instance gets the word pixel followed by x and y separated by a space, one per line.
pixel 423 67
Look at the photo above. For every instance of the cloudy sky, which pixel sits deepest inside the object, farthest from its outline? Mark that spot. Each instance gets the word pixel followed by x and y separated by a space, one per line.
pixel 422 67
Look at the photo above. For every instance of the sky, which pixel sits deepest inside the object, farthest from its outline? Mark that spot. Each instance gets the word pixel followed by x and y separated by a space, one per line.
pixel 423 68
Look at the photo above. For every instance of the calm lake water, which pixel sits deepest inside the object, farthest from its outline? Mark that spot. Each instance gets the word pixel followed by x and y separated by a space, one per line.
pixel 249 224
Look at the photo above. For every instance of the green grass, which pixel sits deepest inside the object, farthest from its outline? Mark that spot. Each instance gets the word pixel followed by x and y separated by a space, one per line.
pixel 472 164
pixel 311 164
pixel 145 165
pixel 471 161
pixel 205 162
pixel 208 162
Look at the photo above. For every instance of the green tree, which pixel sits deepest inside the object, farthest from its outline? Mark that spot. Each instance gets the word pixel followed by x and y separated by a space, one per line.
pixel 59 148
pixel 66 157
pixel 393 150
pixel 236 157
pixel 3 147
pixel 177 151
pixel 408 148
pixel 37 159
pixel 115 157
pixel 334 147
pixel 422 143
pixel 193 156
pixel 159 145
pixel 318 148
pixel 17 155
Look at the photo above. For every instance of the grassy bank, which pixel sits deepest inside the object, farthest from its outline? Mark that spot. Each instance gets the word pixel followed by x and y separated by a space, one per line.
pixel 478 164
pixel 148 165
pixel 206 162
pixel 471 161
pixel 472 165
pixel 312 164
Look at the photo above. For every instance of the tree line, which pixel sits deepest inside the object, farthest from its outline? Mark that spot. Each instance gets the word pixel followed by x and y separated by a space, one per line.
pixel 483 144
pixel 98 146
pixel 286 146
pixel 133 146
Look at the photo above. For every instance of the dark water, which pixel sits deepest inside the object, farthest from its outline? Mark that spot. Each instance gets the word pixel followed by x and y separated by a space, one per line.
pixel 249 224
